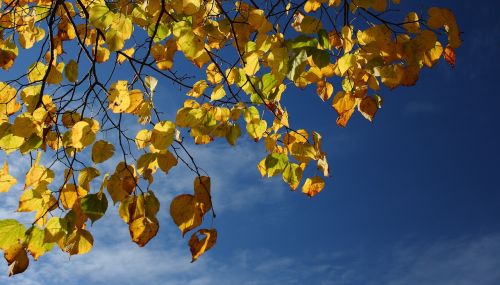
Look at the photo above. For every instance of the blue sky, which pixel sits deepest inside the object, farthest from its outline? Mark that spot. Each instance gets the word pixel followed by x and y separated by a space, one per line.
pixel 413 198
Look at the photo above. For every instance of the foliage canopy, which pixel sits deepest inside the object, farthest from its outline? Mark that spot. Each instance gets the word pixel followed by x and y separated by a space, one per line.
pixel 90 66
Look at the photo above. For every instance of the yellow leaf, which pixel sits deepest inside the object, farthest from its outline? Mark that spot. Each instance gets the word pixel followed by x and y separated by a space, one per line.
pixel 256 129
pixel 36 71
pixel 8 102
pixel 292 174
pixel 70 118
pixel 55 73
pixel 121 29
pixel 439 17
pixel 252 63
pixel 147 164
pixel 313 186
pixel 348 42
pixel 218 93
pixel 213 74
pixel 185 213
pixel 202 195
pixel 306 24
pixel 38 174
pixel 128 52
pixel 8 53
pixel 136 99
pixel 71 71
pixel 432 56
pixel 118 97
pixel 198 89
pixel 55 230
pixel 102 54
pixel 78 242
pixel 6 180
pixel 40 200
pixel 70 193
pixel 30 96
pixel 86 175
pixel 324 90
pixel 143 138
pixel 162 135
pixel 102 151
pixel 346 62
pixel 323 166
pixel 82 135
pixel 122 182
pixel 24 126
pixel 411 23
pixel 35 238
pixel 166 161
pixel 344 104
pixel 143 229
pixel 197 246
pixel 187 7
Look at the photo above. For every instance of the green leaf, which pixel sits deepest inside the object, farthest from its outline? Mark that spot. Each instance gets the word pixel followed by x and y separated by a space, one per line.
pixel 56 229
pixel 162 32
pixel 275 163
pixel 35 237
pixel 94 206
pixel 292 174
pixel 302 41
pixel 323 39
pixel 233 134
pixel 32 143
pixel 100 16
pixel 267 83
pixel 11 231
pixel 320 57
pixel 298 64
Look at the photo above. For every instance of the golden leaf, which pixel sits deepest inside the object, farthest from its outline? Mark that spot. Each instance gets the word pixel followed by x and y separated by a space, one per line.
pixel 102 151
pixel 166 161
pixel 344 104
pixel 185 213
pixel 197 246
pixel 6 180
pixel 82 135
pixel 143 229
pixel 79 241
pixel 202 195
pixel 313 186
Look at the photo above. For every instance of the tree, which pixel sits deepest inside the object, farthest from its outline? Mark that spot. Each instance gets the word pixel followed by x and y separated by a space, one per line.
pixel 96 67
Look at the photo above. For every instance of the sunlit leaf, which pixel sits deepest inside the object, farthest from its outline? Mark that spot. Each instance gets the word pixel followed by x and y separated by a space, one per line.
pixel 199 246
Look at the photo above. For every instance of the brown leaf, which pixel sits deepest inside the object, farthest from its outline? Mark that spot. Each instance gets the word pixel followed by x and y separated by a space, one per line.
pixel 17 259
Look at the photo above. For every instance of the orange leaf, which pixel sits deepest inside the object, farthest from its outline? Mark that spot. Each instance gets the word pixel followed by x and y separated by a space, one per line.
pixel 449 55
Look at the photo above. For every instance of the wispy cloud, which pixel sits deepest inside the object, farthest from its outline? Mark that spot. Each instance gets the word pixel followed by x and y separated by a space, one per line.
pixel 468 260
pixel 419 107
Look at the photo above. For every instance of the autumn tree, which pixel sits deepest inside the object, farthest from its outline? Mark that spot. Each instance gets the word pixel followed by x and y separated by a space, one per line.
pixel 77 73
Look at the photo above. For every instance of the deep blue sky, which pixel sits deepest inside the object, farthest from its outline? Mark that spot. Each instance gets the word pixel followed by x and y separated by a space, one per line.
pixel 413 199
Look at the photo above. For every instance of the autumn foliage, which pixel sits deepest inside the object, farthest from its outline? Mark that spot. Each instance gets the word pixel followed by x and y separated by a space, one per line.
pixel 88 67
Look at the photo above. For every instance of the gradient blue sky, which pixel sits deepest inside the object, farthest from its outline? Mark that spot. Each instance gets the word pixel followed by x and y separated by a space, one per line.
pixel 414 197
